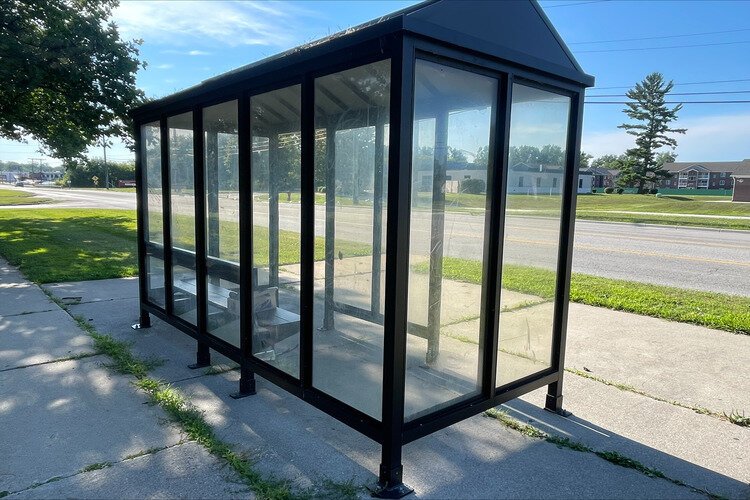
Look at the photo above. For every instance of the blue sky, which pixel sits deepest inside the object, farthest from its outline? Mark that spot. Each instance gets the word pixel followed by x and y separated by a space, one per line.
pixel 187 42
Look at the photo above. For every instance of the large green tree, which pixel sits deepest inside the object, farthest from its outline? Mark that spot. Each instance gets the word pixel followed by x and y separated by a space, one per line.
pixel 67 77
pixel 651 129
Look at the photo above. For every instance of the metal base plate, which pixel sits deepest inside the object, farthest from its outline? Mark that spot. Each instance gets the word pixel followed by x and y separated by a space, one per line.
pixel 240 395
pixel 195 366
pixel 380 490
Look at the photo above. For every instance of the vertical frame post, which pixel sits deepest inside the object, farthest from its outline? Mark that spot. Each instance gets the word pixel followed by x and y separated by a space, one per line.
pixel 244 144
pixel 494 234
pixel 203 355
pixel 377 216
pixel 166 199
pixel 273 209
pixel 141 197
pixel 307 230
pixel 330 235
pixel 437 235
pixel 565 256
pixel 390 481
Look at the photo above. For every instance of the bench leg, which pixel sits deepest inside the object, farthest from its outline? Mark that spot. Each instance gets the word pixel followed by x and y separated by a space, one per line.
pixel 247 384
pixel 143 322
pixel 202 358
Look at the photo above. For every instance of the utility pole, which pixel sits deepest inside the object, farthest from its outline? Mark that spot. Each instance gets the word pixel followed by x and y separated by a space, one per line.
pixel 106 167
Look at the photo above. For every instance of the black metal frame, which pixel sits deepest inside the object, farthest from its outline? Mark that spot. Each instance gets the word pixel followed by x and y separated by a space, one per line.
pixel 375 43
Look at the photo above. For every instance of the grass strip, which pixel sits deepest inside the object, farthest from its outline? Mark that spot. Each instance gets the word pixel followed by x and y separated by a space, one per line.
pixel 614 457
pixel 714 310
pixel 11 197
pixel 734 417
pixel 669 220
pixel 193 423
pixel 61 244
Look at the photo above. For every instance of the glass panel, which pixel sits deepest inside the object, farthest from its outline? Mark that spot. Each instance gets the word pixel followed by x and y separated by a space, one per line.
pixel 538 134
pixel 351 120
pixel 154 216
pixel 276 168
pixel 182 203
pixel 151 158
pixel 222 220
pixel 453 113
pixel 155 280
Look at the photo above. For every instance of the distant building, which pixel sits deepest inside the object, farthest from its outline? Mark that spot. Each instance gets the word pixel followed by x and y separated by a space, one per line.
pixel 703 175
pixel 741 184
pixel 601 177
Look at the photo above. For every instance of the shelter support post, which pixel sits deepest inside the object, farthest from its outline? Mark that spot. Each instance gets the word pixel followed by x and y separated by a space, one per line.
pixel 273 209
pixel 144 321
pixel 330 181
pixel 377 219
pixel 202 356
pixel 212 192
pixel 554 398
pixel 390 478
pixel 437 234
pixel 247 384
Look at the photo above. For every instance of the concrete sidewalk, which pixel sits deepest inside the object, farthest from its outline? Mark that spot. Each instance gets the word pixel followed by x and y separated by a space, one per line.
pixel 59 417
pixel 63 412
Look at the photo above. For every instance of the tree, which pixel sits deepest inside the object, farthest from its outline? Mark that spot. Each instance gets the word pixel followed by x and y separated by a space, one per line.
pixel 456 155
pixel 68 78
pixel 584 160
pixel 651 132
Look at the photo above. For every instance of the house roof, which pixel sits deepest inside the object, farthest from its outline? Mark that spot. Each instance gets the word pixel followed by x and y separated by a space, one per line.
pixel 710 166
pixel 518 32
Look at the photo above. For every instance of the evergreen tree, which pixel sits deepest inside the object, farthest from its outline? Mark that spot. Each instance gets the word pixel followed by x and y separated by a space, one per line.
pixel 651 131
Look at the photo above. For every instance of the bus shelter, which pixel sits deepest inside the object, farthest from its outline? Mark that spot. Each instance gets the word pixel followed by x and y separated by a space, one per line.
pixel 379 222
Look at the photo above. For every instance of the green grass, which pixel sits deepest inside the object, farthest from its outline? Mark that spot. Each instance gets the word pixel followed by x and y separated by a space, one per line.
pixel 713 310
pixel 54 245
pixel 51 245
pixel 10 197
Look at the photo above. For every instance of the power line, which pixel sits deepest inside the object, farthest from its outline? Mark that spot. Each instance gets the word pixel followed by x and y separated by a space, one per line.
pixel 574 3
pixel 680 84
pixel 662 48
pixel 681 93
pixel 659 37
pixel 671 102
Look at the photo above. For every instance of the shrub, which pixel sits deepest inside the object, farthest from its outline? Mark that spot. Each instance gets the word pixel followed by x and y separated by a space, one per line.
pixel 473 186
pixel 609 190
pixel 619 190
pixel 593 190
pixel 653 191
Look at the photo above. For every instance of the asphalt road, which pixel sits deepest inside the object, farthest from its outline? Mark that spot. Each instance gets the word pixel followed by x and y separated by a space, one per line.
pixel 701 259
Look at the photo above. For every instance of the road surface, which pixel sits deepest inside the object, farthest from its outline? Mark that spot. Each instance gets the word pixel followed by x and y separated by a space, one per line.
pixel 700 259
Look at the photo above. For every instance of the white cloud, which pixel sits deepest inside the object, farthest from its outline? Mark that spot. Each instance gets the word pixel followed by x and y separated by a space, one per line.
pixel 198 53
pixel 181 23
pixel 164 66
pixel 708 138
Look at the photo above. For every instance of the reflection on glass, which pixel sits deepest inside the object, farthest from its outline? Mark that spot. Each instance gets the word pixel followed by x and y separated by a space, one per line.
pixel 222 220
pixel 155 280
pixel 182 223
pixel 276 168
pixel 453 112
pixel 151 160
pixel 538 134
pixel 351 120
pixel 154 216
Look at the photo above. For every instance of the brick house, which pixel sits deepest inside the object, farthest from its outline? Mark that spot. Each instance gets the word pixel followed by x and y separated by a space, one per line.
pixel 703 175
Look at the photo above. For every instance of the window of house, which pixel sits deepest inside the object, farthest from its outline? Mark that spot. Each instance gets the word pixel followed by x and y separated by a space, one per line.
pixel 538 182
pixel 721 182
pixel 580 183
pixel 520 181
pixel 554 182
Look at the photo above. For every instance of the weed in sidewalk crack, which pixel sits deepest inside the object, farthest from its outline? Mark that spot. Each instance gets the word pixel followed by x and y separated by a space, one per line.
pixel 193 423
pixel 613 457
pixel 733 417
pixel 96 466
